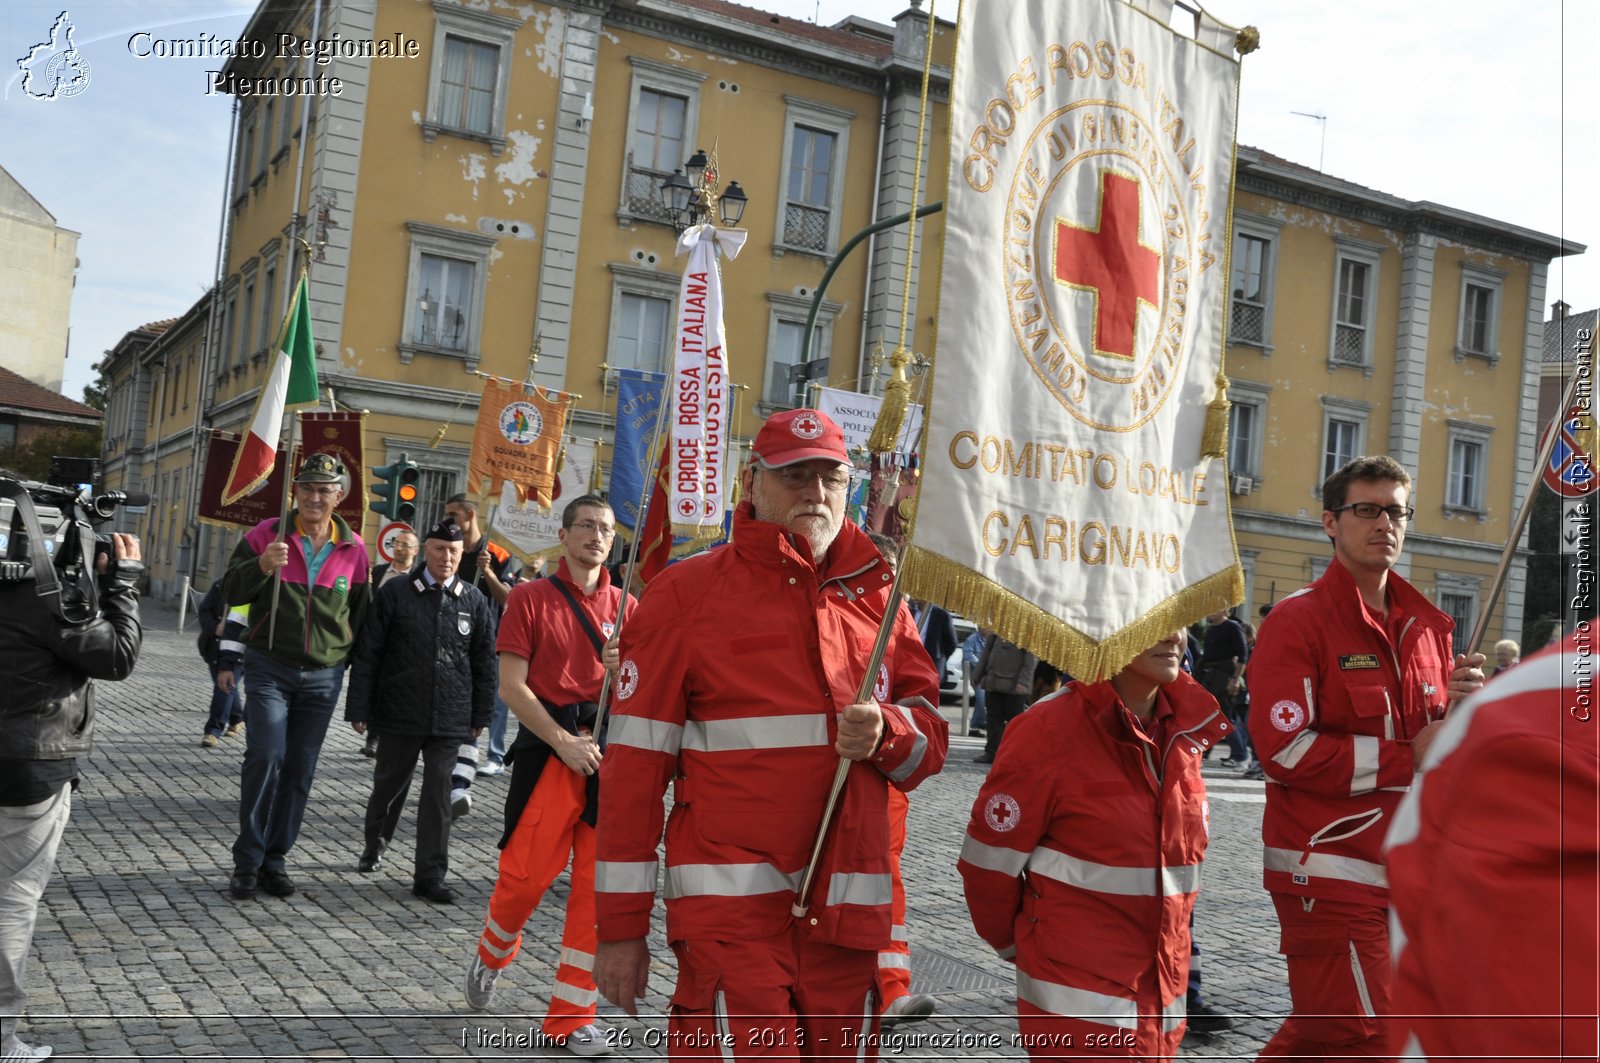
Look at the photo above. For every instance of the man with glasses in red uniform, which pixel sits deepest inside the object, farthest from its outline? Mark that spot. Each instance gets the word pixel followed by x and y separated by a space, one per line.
pixel 1350 679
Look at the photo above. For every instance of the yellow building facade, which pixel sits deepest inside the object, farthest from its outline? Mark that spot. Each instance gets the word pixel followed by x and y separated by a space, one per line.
pixel 484 199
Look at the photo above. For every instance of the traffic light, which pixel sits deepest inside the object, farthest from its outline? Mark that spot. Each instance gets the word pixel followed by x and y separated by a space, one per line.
pixel 397 491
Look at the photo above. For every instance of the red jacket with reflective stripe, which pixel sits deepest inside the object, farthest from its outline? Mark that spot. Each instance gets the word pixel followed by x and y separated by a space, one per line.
pixel 1494 863
pixel 1078 854
pixel 733 672
pixel 1334 705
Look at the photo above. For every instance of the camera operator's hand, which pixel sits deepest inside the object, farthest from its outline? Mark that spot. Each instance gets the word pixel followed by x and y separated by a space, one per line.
pixel 274 557
pixel 126 548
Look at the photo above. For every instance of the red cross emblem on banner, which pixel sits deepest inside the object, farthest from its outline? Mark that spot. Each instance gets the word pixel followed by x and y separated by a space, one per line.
pixel 687 506
pixel 1108 260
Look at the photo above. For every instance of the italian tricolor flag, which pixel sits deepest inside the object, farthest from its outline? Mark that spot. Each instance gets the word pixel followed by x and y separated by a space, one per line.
pixel 292 382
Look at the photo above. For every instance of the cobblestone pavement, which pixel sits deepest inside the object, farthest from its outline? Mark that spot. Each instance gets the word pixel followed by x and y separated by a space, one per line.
pixel 140 953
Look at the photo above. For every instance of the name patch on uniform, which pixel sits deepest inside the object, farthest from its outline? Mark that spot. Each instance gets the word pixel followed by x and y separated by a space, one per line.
pixel 1351 661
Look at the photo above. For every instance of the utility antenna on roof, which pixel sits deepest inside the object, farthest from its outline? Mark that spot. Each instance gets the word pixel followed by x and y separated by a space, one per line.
pixel 1322 120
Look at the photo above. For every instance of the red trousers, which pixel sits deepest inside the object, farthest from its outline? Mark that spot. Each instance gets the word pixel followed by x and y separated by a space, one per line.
pixel 780 997
pixel 548 834
pixel 894 959
pixel 1340 979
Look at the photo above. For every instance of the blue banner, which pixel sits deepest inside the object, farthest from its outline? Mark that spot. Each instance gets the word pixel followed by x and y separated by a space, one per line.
pixel 638 406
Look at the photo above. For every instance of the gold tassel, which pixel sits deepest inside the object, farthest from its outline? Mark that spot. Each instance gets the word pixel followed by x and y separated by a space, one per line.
pixel 1214 441
pixel 896 399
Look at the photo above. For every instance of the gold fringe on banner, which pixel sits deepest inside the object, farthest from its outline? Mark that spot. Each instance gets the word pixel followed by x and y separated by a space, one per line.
pixel 1214 441
pixel 938 579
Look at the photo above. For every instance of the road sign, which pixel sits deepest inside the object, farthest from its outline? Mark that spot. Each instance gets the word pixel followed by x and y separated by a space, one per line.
pixel 1577 524
pixel 1570 471
pixel 386 538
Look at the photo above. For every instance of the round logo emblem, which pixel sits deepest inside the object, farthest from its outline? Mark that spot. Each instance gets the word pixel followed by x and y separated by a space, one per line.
pixel 521 423
pixel 1002 813
pixel 1097 254
pixel 881 690
pixel 627 680
pixel 806 426
pixel 686 507
pixel 1288 716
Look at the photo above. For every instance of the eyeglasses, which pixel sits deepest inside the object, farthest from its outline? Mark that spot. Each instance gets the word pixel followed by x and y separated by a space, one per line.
pixel 589 527
pixel 1370 511
pixel 798 476
pixel 325 492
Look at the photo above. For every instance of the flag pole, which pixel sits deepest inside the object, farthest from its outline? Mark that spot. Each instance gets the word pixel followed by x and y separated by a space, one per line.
pixel 288 454
pixel 649 479
pixel 1524 513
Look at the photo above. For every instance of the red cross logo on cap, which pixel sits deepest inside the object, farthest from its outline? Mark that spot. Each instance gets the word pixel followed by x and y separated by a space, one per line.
pixel 1002 813
pixel 1288 716
pixel 1108 259
pixel 806 426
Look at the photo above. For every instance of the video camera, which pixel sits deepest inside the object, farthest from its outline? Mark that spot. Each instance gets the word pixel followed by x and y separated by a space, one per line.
pixel 67 518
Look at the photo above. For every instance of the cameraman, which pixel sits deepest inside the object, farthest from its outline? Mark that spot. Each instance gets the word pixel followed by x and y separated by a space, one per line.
pixel 46 723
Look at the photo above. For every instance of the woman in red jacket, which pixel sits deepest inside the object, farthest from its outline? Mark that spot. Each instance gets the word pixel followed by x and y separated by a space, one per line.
pixel 1083 855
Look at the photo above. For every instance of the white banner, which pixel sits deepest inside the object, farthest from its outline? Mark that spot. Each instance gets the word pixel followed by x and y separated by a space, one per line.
pixel 530 532
pixel 699 387
pixel 1085 266
pixel 857 413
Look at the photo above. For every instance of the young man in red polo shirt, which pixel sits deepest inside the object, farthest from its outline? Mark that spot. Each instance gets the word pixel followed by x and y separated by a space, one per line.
pixel 555 644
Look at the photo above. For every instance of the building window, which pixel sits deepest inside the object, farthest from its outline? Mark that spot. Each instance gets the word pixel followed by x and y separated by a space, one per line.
pixel 784 385
pixel 1354 303
pixel 286 126
pixel 1457 596
pixel 1465 479
pixel 1255 239
pixel 433 487
pixel 245 148
pixel 641 333
pixel 445 293
pixel 1459 607
pixel 1247 424
pixel 246 321
pixel 8 431
pixel 807 215
pixel 663 109
pixel 268 127
pixel 1479 332
pixel 269 284
pixel 469 77
pixel 230 353
pixel 1344 432
pixel 816 140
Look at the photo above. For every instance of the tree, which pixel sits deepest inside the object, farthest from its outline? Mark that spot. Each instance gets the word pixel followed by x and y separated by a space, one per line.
pixel 31 460
pixel 94 393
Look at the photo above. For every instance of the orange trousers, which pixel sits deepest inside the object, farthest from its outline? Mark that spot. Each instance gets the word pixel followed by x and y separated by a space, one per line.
pixel 894 959
pixel 547 835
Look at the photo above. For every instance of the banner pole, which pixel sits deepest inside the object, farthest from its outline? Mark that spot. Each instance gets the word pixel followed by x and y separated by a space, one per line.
pixel 283 522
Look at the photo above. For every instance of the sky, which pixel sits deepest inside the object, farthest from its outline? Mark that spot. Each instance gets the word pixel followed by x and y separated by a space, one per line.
pixel 1473 104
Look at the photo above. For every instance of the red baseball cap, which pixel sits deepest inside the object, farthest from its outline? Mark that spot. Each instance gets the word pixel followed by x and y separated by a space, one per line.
pixel 799 435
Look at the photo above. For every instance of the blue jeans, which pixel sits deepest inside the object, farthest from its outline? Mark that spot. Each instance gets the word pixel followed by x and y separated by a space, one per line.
pixel 286 715
pixel 497 731
pixel 226 706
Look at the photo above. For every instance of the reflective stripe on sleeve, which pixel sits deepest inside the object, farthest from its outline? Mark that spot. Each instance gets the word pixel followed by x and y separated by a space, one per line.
pixel 1364 778
pixel 993 857
pixel 611 876
pixel 640 732
pixel 583 961
pixel 756 732
pixel 1082 1004
pixel 1290 755
pixel 583 998
pixel 898 932
pixel 1106 878
pixel 1173 1014
pixel 898 961
pixel 859 888
pixel 1325 865
pixel 919 746
pixel 230 646
pixel 728 880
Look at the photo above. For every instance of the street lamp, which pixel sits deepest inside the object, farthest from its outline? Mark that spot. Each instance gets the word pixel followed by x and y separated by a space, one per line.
pixel 691 195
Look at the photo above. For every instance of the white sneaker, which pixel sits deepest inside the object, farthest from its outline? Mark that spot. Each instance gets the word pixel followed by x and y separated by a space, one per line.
pixel 492 767
pixel 590 1040
pixel 460 803
pixel 480 982
pixel 21 1052
pixel 911 1008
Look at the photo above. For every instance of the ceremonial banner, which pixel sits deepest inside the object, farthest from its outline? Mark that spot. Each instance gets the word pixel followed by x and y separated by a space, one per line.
pixel 1067 499
pixel 638 413
pixel 857 413
pixel 339 434
pixel 248 510
pixel 532 532
pixel 291 382
pixel 700 398
pixel 516 440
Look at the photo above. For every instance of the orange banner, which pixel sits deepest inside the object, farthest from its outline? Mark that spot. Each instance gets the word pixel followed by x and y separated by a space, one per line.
pixel 517 440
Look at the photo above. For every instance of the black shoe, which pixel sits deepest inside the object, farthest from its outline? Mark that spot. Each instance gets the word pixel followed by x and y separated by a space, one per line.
pixel 243 884
pixel 1206 1018
pixel 371 858
pixel 436 892
pixel 975 732
pixel 1257 772
pixel 277 883
pixel 983 758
